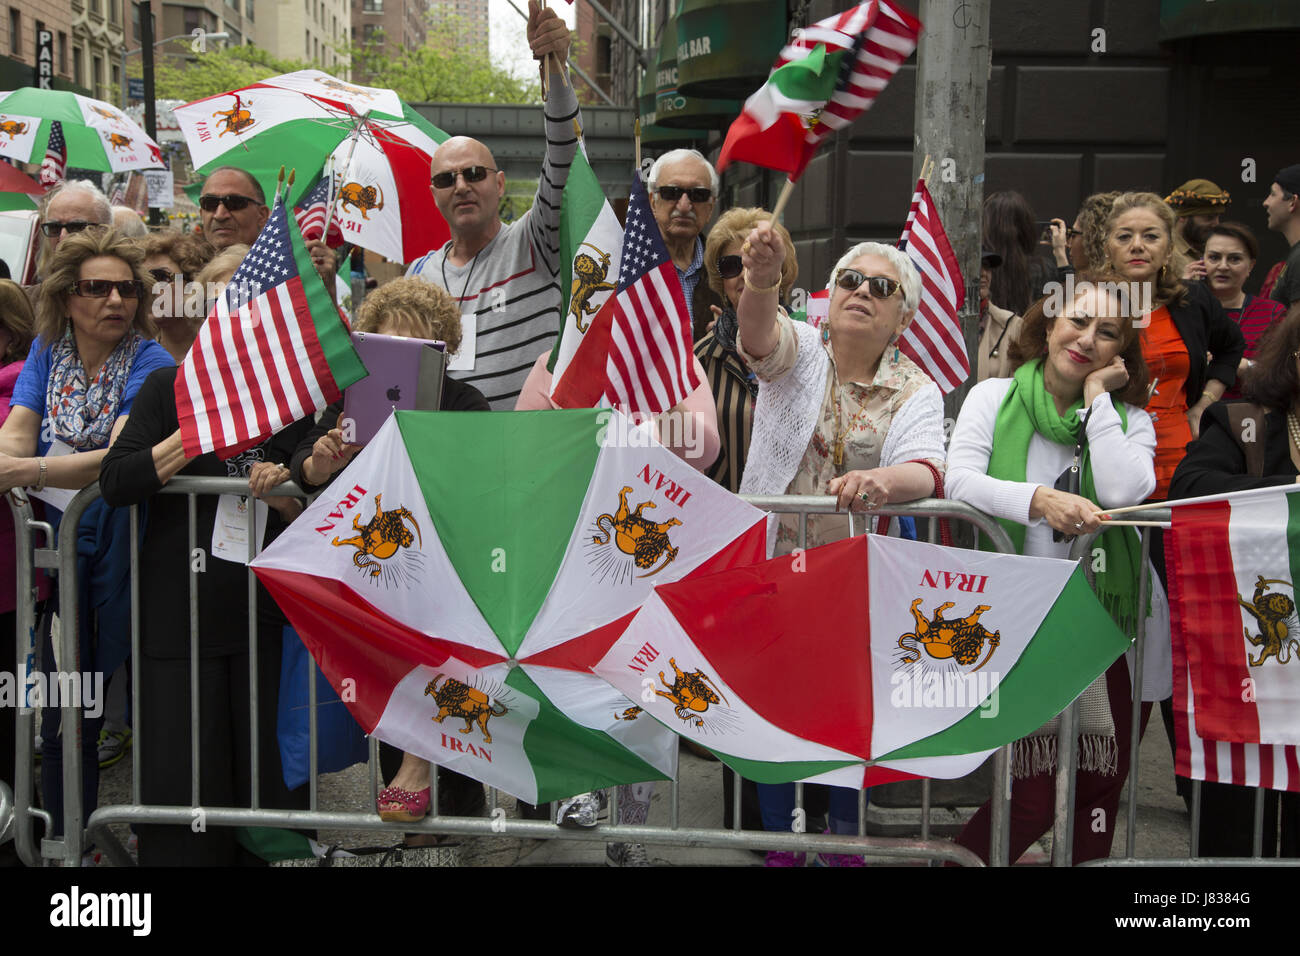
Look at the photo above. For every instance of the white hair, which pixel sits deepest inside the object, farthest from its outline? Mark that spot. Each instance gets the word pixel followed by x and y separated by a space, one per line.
pixel 675 155
pixel 907 273
pixel 128 222
pixel 96 195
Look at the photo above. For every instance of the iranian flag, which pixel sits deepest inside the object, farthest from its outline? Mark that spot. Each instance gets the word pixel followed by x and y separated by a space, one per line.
pixel 591 246
pixel 866 659
pixel 458 579
pixel 1232 564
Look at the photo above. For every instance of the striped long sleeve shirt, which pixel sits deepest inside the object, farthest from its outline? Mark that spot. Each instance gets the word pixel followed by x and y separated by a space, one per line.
pixel 512 285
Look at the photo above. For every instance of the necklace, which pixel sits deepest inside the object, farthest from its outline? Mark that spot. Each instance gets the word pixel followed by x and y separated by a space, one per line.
pixel 842 430
pixel 1293 427
pixel 469 275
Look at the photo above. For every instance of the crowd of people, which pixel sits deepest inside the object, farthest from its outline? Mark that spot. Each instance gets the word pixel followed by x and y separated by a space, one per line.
pixel 1108 397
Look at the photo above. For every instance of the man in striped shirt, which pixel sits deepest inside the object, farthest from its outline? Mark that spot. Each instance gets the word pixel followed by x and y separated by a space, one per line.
pixel 505 276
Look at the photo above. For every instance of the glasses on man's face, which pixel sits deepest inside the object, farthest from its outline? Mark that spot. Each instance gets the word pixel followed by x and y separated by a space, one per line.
pixel 162 275
pixel 730 266
pixel 880 287
pixel 101 288
pixel 696 194
pixel 233 203
pixel 1073 233
pixel 53 227
pixel 472 174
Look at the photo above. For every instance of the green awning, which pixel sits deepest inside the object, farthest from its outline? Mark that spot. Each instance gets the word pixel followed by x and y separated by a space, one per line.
pixel 672 107
pixel 726 49
pixel 652 134
pixel 1180 19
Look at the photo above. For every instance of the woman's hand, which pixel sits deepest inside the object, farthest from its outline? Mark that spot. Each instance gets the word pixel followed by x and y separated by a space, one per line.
pixel 264 476
pixel 717 314
pixel 1066 513
pixel 1195 270
pixel 15 472
pixel 1060 249
pixel 851 486
pixel 328 455
pixel 1194 416
pixel 762 255
pixel 1105 379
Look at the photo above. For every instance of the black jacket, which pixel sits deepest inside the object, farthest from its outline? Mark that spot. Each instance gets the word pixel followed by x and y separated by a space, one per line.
pixel 1215 464
pixel 1205 327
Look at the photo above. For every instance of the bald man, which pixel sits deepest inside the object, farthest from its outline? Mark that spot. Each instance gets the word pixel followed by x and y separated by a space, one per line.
pixel 505 276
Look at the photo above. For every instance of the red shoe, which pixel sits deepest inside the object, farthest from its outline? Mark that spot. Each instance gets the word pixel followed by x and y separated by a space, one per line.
pixel 402 806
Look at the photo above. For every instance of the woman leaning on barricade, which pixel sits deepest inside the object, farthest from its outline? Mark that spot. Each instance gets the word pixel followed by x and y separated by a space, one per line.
pixel 1244 445
pixel 840 411
pixel 147 454
pixel 410 308
pixel 1075 394
pixel 91 354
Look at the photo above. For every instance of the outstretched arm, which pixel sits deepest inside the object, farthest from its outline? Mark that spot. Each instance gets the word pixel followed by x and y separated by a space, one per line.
pixel 548 37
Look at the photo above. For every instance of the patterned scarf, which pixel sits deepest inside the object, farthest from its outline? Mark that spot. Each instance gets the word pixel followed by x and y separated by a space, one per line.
pixel 83 414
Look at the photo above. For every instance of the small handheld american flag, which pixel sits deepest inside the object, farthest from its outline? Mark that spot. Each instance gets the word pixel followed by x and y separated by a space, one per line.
pixel 55 165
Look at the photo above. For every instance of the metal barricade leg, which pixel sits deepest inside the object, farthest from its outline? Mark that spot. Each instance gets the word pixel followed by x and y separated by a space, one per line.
pixel 1067 767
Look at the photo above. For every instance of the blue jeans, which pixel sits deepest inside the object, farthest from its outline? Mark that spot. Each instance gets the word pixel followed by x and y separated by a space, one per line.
pixel 776 804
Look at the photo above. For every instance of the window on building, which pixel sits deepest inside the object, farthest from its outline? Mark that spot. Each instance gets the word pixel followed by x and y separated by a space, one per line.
pixel 248 9
pixel 372 6
pixel 117 78
pixel 63 53
pixel 95 8
pixel 135 22
pixel 97 76
pixel 15 31
pixel 193 19
pixel 236 38
pixel 78 76
pixel 114 15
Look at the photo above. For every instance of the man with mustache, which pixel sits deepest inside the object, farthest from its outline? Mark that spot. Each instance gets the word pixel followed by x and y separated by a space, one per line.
pixel 683 188
pixel 1199 204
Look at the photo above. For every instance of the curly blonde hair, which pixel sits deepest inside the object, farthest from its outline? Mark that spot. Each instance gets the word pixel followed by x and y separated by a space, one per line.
pixel 1092 223
pixel 736 224
pixel 187 250
pixel 1168 286
pixel 52 318
pixel 425 310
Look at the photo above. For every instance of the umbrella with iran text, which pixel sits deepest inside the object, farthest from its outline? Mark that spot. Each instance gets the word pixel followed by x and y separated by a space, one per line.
pixel 96 134
pixel 381 150
pixel 865 660
pixel 457 581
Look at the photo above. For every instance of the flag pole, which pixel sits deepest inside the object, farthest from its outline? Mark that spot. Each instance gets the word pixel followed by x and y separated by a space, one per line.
pixel 279 185
pixel 1204 499
pixel 636 138
pixel 782 199
pixel 347 171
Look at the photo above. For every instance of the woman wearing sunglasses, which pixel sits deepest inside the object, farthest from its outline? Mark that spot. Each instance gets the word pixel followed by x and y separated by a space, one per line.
pixel 91 354
pixel 1043 452
pixel 840 411
pixel 173 259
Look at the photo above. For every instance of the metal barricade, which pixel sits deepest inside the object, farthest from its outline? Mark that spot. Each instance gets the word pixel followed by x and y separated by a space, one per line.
pixel 1063 836
pixel 69 848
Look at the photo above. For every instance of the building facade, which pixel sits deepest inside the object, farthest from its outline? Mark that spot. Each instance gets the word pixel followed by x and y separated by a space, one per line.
pixel 88 37
pixel 402 24
pixel 317 31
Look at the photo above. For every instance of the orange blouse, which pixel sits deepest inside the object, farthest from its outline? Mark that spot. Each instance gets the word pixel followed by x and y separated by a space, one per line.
pixel 1168 364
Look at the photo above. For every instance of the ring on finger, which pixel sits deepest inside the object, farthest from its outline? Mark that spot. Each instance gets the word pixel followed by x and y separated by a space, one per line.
pixel 1078 525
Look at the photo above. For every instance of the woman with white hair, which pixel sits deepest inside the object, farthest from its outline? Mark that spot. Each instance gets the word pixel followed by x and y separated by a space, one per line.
pixel 840 411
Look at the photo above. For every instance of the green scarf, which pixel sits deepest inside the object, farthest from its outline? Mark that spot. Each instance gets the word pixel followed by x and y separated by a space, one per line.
pixel 1028 408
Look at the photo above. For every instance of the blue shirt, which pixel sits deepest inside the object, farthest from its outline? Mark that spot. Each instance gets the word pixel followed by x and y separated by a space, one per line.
pixel 691 277
pixel 29 390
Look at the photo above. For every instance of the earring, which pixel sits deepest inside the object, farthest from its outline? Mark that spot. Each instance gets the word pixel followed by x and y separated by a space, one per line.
pixel 826 332
pixel 1162 272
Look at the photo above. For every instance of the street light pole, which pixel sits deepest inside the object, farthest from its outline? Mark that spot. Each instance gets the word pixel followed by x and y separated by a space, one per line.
pixel 180 36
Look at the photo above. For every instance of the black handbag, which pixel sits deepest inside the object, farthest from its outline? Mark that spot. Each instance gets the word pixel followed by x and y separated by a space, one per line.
pixel 1071 480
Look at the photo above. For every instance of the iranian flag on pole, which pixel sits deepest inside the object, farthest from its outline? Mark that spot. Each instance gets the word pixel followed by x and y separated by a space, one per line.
pixel 1232 564
pixel 867 654
pixel 591 246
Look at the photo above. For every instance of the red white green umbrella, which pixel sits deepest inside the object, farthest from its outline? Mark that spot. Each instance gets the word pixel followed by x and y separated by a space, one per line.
pixel 16 190
pixel 98 135
pixel 458 579
pixel 381 148
pixel 865 660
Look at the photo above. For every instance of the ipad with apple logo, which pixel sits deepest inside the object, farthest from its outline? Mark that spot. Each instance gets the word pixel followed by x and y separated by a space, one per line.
pixel 403 373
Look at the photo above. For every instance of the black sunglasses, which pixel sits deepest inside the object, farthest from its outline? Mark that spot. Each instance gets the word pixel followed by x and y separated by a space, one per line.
pixel 54 227
pixel 730 266
pixel 233 203
pixel 880 287
pixel 696 194
pixel 100 288
pixel 1073 233
pixel 472 174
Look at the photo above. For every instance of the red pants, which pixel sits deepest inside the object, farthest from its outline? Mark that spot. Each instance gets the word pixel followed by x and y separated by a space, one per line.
pixel 1033 799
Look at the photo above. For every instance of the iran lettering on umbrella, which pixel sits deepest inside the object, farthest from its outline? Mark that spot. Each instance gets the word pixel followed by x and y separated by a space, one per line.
pixel 459 578
pixel 866 654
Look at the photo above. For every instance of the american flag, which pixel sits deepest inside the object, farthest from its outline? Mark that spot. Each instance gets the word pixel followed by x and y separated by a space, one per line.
pixel 880 35
pixel 311 213
pixel 650 365
pixel 55 165
pixel 934 338
pixel 273 349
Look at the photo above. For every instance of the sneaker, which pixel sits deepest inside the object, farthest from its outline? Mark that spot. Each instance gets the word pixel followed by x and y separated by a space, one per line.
pixel 581 811
pixel 113 746
pixel 626 854
pixel 838 859
pixel 785 858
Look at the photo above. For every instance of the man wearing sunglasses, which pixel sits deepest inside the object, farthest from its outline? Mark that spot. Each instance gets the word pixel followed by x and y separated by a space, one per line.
pixel 233 210
pixel 683 187
pixel 504 275
pixel 69 208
